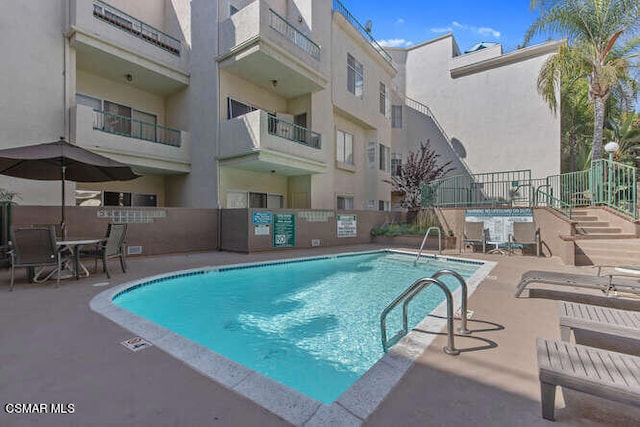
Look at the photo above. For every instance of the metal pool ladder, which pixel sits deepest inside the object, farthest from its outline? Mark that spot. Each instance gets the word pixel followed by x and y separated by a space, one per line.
pixel 410 293
pixel 426 235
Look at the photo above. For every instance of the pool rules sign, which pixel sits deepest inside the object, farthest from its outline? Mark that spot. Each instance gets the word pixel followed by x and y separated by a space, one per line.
pixel 347 225
pixel 284 230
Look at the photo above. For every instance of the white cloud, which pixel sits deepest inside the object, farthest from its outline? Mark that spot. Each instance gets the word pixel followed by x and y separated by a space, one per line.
pixel 481 31
pixel 400 21
pixel 441 30
pixel 395 43
pixel 486 31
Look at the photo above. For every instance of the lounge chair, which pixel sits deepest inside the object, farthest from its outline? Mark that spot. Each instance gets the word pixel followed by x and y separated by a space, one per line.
pixel 524 233
pixel 604 283
pixel 604 320
pixel 602 373
pixel 113 246
pixel 474 234
pixel 34 247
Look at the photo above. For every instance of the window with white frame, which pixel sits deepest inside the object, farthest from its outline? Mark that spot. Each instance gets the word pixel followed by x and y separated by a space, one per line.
pixel 355 76
pixel 385 158
pixel 344 147
pixel 396 164
pixel 396 116
pixel 371 154
pixel 384 205
pixel 344 203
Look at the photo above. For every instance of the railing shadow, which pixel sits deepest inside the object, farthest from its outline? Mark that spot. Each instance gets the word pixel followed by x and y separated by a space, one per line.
pixel 489 343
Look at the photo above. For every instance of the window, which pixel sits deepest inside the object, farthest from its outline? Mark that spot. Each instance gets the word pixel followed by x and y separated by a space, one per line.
pixel 89 101
pixel 123 120
pixel 115 198
pixel 371 155
pixel 345 203
pixel 396 164
pixel 344 147
pixel 233 10
pixel 355 76
pixel 383 205
pixel 250 199
pixel 383 98
pixel 396 116
pixel 385 158
pixel 237 108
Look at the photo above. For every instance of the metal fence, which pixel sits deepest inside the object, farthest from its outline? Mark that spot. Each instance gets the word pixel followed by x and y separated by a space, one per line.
pixel 293 132
pixel 366 33
pixel 134 26
pixel 126 126
pixel 284 28
pixel 606 183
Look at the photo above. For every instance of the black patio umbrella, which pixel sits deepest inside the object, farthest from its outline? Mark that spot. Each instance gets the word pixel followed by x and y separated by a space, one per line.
pixel 62 161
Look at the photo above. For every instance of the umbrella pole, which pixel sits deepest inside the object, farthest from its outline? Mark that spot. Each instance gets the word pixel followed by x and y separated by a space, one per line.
pixel 63 230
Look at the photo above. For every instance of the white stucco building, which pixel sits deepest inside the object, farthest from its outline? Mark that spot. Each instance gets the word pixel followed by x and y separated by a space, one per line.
pixel 263 103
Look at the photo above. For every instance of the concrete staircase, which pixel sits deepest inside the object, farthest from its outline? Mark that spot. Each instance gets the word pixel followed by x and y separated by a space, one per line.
pixel 605 238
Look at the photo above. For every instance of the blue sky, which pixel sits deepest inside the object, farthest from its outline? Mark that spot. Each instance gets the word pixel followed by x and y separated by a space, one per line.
pixel 404 23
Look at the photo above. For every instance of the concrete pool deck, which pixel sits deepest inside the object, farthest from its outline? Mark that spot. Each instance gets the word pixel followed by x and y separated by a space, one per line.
pixel 55 349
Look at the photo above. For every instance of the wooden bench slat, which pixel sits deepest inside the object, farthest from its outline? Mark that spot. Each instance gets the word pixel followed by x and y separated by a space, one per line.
pixel 607 374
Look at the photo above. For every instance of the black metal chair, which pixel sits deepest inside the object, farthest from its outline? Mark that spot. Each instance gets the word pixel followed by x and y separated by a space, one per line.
pixel 33 247
pixel 111 247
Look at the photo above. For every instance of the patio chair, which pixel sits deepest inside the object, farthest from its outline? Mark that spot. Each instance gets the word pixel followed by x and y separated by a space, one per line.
pixel 525 234
pixel 474 234
pixel 113 246
pixel 606 284
pixel 607 374
pixel 34 247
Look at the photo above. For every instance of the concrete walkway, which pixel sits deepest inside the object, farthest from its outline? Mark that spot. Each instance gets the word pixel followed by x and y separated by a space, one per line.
pixel 54 349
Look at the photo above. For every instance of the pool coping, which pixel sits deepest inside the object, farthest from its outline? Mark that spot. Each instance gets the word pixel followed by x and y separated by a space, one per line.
pixel 351 408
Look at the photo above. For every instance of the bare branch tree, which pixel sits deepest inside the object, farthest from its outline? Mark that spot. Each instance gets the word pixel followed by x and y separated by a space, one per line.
pixel 421 167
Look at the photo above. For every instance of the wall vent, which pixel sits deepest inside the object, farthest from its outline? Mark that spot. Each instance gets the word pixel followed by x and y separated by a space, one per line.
pixel 134 250
pixel 315 242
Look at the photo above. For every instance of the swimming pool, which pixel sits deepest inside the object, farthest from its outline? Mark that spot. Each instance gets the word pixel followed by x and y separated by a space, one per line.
pixel 310 324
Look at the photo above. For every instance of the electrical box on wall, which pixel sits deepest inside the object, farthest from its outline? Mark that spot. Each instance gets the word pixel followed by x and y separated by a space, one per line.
pixel 315 242
pixel 134 250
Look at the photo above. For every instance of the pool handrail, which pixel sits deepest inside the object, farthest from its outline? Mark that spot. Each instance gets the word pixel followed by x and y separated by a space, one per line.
pixel 464 294
pixel 412 291
pixel 426 235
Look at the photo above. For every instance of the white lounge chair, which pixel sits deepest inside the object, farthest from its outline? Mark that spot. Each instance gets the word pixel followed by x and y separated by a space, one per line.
pixel 602 373
pixel 604 283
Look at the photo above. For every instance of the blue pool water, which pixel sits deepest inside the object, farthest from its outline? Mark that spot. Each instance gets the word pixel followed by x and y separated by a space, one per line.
pixel 312 325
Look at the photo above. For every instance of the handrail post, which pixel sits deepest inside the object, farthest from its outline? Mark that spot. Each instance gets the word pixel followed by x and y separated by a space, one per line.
pixel 411 292
pixel 464 295
pixel 424 240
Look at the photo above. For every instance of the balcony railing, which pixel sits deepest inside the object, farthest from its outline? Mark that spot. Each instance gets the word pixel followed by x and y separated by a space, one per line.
pixel 128 23
pixel 338 6
pixel 288 31
pixel 293 132
pixel 126 126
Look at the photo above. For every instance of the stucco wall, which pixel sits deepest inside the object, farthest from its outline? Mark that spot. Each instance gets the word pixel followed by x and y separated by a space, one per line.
pixel 237 235
pixel 182 230
pixel 491 110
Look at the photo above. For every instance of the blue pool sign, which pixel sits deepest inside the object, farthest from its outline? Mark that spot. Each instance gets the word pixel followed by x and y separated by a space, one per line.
pixel 261 218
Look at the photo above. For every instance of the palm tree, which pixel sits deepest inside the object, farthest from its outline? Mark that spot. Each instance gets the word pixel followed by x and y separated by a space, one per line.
pixel 626 132
pixel 601 40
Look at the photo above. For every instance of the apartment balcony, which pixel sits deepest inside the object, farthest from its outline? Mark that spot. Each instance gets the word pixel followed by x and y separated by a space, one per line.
pixel 260 142
pixel 261 46
pixel 149 148
pixel 113 44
